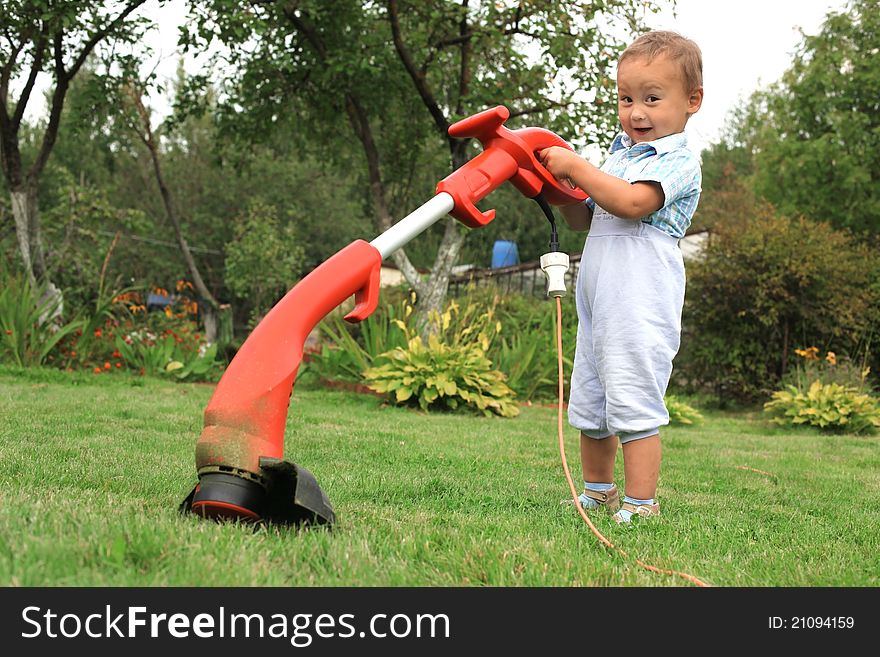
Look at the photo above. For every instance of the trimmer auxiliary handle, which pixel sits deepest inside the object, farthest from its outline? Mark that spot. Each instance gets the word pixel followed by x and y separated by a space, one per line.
pixel 507 155
pixel 239 454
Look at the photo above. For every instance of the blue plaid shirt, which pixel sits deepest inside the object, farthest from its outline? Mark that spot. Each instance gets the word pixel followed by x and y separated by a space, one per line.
pixel 666 161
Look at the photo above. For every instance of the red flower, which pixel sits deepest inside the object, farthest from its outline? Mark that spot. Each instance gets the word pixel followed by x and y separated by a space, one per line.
pixel 97 333
pixel 118 365
pixel 116 354
pixel 97 370
pixel 106 365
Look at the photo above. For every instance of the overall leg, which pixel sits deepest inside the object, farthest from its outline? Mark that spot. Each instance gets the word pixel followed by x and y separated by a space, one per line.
pixel 586 409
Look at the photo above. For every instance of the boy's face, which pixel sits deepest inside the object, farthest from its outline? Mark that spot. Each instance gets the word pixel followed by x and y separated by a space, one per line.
pixel 651 99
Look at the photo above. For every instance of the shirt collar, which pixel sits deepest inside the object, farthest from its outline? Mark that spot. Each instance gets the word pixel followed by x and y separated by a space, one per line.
pixel 662 145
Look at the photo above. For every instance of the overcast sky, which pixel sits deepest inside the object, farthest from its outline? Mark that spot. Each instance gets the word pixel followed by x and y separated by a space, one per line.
pixel 746 44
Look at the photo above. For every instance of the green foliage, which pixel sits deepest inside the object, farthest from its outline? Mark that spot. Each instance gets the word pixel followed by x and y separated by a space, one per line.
pixel 841 370
pixel 525 350
pixel 517 331
pixel 831 407
pixel 453 369
pixel 438 375
pixel 85 230
pixel 263 260
pixel 681 412
pixel 164 356
pixel 764 285
pixel 28 334
pixel 815 137
pixel 346 45
pixel 347 350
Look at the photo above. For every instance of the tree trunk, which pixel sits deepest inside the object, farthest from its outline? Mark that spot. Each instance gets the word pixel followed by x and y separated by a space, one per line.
pixel 22 209
pixel 25 210
pixel 438 284
pixel 210 305
pixel 436 287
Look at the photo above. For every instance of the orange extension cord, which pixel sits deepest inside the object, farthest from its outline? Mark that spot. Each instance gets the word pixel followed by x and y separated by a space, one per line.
pixel 574 494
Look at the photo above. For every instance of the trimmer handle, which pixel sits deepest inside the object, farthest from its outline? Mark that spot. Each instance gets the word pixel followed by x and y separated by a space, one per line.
pixel 507 155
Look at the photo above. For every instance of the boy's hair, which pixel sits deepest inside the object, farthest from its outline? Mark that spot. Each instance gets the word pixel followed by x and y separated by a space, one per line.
pixel 678 48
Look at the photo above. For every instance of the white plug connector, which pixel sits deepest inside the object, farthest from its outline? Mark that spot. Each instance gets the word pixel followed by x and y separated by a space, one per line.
pixel 555 266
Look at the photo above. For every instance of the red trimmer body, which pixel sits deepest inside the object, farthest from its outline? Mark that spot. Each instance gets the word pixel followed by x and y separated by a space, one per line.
pixel 239 456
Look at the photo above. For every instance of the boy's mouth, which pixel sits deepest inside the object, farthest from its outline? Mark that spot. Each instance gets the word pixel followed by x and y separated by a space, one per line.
pixel 642 131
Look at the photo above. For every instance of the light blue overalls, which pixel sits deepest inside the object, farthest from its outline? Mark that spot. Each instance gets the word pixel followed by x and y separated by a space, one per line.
pixel 630 293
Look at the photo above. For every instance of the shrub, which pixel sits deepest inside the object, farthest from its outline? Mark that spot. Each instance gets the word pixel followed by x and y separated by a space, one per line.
pixel 351 348
pixel 165 355
pixel 831 407
pixel 438 375
pixel 452 370
pixel 28 334
pixel 526 347
pixel 680 412
pixel 830 369
pixel 263 260
pixel 123 335
pixel 765 285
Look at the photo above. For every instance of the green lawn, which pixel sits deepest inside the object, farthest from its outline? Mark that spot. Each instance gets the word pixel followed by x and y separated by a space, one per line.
pixel 92 470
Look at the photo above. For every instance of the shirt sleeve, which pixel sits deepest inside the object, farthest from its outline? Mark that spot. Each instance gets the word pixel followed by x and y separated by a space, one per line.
pixel 677 172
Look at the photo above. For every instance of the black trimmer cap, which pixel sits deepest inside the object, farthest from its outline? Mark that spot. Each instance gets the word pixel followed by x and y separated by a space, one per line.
pixel 291 496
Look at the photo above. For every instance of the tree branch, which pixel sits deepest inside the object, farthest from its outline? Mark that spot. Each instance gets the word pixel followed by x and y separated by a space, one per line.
pixel 360 123
pixel 62 82
pixel 58 55
pixel 37 66
pixel 544 108
pixel 464 71
pixel 418 79
pixel 146 135
pixel 306 29
pixel 6 73
pixel 60 91
pixel 101 34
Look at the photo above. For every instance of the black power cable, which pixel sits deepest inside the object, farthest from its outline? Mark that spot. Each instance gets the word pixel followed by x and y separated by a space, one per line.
pixel 548 212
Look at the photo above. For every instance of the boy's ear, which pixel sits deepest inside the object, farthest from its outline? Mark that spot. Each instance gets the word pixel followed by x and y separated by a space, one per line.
pixel 695 100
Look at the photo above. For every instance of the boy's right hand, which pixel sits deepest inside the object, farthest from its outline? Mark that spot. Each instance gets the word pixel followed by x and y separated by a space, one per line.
pixel 558 161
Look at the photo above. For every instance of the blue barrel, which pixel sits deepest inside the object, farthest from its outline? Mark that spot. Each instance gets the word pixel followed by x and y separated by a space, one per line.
pixel 504 254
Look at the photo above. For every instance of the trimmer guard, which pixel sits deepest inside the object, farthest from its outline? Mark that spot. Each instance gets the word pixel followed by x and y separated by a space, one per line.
pixel 288 495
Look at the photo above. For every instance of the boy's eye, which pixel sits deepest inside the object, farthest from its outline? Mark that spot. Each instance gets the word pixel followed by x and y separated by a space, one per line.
pixel 652 99
pixel 626 99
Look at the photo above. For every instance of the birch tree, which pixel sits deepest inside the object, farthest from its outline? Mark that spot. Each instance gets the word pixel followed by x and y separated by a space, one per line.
pixel 54 38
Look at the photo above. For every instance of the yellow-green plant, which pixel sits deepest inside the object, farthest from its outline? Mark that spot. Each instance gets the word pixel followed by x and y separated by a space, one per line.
pixel 831 407
pixel 681 413
pixel 450 370
pixel 438 375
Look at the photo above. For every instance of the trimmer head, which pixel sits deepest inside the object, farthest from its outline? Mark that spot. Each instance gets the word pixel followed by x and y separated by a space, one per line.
pixel 287 494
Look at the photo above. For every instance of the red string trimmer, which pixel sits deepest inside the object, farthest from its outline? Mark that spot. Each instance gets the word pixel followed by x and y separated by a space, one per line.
pixel 239 456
